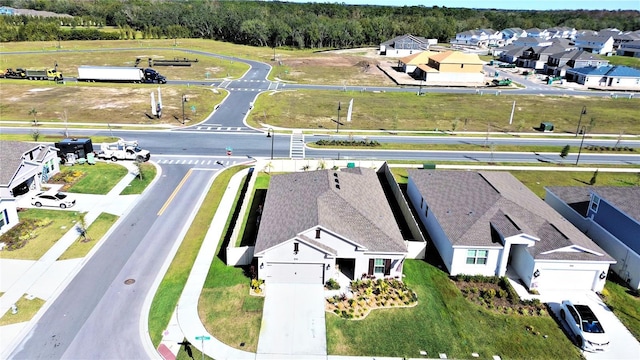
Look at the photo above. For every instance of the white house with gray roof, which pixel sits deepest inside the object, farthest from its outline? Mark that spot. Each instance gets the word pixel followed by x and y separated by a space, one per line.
pixel 488 223
pixel 25 166
pixel 317 223
pixel 610 216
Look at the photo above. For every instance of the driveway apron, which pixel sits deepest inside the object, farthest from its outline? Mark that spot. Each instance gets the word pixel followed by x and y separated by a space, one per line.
pixel 293 323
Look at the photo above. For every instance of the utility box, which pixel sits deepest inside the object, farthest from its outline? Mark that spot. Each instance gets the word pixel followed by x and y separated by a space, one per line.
pixel 546 127
pixel 79 147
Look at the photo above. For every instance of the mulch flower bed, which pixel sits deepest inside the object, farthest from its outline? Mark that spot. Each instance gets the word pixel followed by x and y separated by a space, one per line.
pixel 367 295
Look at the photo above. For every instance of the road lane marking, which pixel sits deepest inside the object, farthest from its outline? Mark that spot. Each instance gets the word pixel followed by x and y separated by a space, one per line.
pixel 175 192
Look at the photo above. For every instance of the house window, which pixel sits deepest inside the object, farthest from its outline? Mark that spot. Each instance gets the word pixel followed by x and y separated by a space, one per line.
pixel 426 211
pixel 595 202
pixel 421 202
pixel 478 257
pixel 4 219
pixel 378 267
pixel 461 66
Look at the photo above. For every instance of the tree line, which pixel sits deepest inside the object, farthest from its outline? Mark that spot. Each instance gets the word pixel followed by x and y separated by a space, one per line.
pixel 276 24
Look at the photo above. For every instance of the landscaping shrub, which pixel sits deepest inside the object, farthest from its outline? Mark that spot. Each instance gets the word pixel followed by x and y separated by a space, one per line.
pixel 332 284
pixel 357 143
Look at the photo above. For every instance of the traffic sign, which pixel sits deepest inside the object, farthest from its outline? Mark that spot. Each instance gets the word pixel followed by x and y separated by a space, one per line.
pixel 204 337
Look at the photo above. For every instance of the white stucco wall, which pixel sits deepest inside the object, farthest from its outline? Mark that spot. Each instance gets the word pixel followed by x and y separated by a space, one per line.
pixel 283 253
pixel 9 213
pixel 459 263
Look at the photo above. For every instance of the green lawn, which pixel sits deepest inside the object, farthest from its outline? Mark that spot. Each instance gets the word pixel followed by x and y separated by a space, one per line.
pixel 624 303
pixel 50 225
pixel 53 138
pixel 623 60
pixel 537 180
pixel 95 232
pixel 26 310
pixel 91 179
pixel 310 109
pixel 445 322
pixel 166 298
pixel 138 185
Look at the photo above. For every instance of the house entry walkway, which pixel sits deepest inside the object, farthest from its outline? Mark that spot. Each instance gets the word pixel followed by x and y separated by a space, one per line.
pixel 293 322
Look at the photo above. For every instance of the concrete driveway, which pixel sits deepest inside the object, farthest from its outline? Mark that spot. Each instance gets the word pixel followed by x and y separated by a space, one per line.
pixel 293 323
pixel 622 346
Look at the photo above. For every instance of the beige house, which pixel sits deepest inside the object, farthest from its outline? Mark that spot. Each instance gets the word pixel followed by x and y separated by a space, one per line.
pixel 452 68
pixel 408 64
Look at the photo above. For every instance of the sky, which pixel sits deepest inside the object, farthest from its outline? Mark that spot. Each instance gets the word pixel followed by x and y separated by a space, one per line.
pixel 501 4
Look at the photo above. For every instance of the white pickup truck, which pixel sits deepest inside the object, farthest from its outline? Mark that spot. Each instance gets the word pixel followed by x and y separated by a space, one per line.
pixel 123 150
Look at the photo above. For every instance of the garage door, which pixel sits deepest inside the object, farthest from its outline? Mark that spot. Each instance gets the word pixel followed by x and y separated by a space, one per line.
pixel 295 273
pixel 568 279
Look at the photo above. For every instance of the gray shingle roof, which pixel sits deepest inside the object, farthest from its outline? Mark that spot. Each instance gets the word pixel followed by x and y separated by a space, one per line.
pixel 356 208
pixel 625 198
pixel 11 157
pixel 467 203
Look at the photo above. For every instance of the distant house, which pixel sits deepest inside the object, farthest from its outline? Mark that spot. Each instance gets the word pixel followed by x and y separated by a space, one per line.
pixel 538 33
pixel 595 44
pixel 608 215
pixel 451 67
pixel 404 45
pixel 631 48
pixel 488 223
pixel 606 76
pixel 409 64
pixel 562 32
pixel 532 41
pixel 25 166
pixel 318 222
pixel 510 53
pixel 511 34
pixel 557 64
pixel 479 37
pixel 536 57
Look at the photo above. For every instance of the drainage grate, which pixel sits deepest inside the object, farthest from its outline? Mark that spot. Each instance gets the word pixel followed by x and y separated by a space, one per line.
pixel 129 281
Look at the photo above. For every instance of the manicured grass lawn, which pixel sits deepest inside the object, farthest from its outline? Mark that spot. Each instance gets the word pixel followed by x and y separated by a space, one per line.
pixel 623 60
pixel 52 224
pixel 138 185
pixel 309 109
pixel 444 322
pixel 95 232
pixel 91 179
pixel 625 305
pixel 227 310
pixel 166 298
pixel 26 310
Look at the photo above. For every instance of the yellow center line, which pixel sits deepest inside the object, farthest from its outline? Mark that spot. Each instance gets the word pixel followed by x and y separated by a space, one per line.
pixel 175 192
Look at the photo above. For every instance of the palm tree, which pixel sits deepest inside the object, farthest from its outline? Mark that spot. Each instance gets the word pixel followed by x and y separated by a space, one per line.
pixel 34 112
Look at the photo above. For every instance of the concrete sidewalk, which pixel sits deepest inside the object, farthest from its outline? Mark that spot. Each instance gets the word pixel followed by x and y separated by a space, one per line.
pixel 186 323
pixel 45 277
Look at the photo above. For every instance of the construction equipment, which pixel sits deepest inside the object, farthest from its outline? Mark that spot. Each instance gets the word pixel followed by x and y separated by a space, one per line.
pixel 123 150
pixel 19 73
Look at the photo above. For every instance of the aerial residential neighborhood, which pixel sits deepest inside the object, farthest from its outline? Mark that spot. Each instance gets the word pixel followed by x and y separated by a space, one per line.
pixel 281 180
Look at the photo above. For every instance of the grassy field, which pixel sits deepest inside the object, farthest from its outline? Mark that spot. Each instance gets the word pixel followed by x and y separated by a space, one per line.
pixel 52 224
pixel 623 60
pixel 95 232
pixel 90 179
pixel 166 298
pixel 54 138
pixel 445 322
pixel 68 62
pixel 26 310
pixel 103 103
pixel 376 111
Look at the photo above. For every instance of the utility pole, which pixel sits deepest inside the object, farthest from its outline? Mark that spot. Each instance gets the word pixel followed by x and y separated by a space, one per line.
pixel 582 112
pixel 338 122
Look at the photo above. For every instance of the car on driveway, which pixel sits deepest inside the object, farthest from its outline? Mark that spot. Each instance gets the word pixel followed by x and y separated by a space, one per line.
pixel 56 199
pixel 586 328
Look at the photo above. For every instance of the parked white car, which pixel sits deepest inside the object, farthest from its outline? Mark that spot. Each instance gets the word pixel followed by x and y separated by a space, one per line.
pixel 587 329
pixel 56 199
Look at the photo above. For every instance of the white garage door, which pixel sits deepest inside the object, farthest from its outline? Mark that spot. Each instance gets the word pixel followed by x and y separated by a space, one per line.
pixel 568 279
pixel 295 273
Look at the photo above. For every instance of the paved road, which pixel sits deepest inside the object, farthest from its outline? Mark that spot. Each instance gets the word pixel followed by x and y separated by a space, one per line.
pixel 97 316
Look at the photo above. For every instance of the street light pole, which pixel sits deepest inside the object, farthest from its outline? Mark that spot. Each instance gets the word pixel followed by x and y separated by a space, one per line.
pixel 184 100
pixel 338 122
pixel 582 112
pixel 584 132
pixel 272 135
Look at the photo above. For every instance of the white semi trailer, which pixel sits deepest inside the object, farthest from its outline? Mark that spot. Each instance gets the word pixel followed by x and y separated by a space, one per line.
pixel 119 74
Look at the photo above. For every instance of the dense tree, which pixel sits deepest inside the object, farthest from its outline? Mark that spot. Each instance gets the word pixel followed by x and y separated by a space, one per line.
pixel 274 24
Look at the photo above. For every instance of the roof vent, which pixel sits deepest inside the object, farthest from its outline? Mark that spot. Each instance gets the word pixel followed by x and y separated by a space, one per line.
pixel 337 181
pixel 338 186
pixel 335 174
